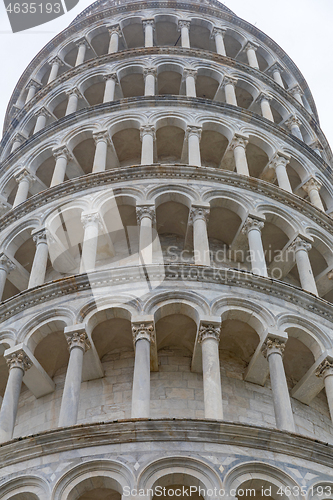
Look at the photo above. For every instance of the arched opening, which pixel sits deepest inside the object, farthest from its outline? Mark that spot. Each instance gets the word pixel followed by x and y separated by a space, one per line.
pixel 212 148
pixel 169 140
pixel 206 86
pixel 167 33
pixel 132 85
pixel 169 82
pixel 127 144
pixel 171 225
pixel 200 36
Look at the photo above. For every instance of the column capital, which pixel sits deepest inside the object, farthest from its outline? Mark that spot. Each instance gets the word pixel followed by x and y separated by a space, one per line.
pixel 43 112
pixel 147 130
pixel 145 211
pixel 111 76
pixel 88 218
pixel 238 140
pixel 101 135
pixel 271 346
pixel 279 158
pixel 56 60
pixel 62 151
pixel 292 121
pixel 325 368
pixel 39 235
pixel 190 72
pixel 199 213
pixel 193 130
pixel 296 89
pixel 300 243
pixel 251 45
pixel 82 41
pixel 33 84
pixel 316 145
pixel 275 67
pixel 184 23
pixel 218 31
pixel 148 22
pixel 23 174
pixel 115 29
pixel 74 91
pixel 252 223
pixel 77 337
pixel 19 138
pixel 150 71
pixel 209 331
pixel 263 96
pixel 143 331
pixel 229 80
pixel 18 359
pixel 6 264
pixel 312 183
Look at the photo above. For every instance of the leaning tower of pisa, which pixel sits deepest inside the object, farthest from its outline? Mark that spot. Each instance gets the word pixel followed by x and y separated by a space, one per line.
pixel 166 264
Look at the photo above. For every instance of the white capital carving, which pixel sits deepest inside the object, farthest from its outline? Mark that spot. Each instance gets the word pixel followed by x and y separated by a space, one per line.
pixel 209 331
pixel 143 331
pixel 78 339
pixel 18 359
pixel 271 346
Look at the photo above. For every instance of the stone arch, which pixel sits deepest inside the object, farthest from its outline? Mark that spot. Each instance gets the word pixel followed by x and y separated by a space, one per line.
pixel 214 142
pixel 91 475
pixel 25 488
pixel 177 468
pixel 169 77
pixel 190 303
pixel 131 80
pixel 200 31
pixel 181 194
pixel 319 489
pixel 208 81
pixel 257 474
pixel 132 31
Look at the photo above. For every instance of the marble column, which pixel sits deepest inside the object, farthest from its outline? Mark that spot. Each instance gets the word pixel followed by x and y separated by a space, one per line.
pixel 149 26
pixel 297 92
pixel 62 156
pixel 110 86
pixel 147 136
pixel 82 45
pixel 73 99
pixel 252 228
pixel 42 115
pixel 293 124
pixel 190 77
pixel 300 247
pixel 218 35
pixel 102 140
pixel 145 217
pixel 18 140
pixel 6 266
pixel 229 84
pixel 24 180
pixel 199 219
pixel 250 49
pixel 312 187
pixel 193 134
pixel 143 335
pixel 273 351
pixel 209 338
pixel 18 363
pixel 149 75
pixel 264 101
pixel 32 87
pixel 78 344
pixel 275 70
pixel 38 270
pixel 92 223
pixel 115 35
pixel 238 145
pixel 279 162
pixel 55 63
pixel 184 28
pixel 325 370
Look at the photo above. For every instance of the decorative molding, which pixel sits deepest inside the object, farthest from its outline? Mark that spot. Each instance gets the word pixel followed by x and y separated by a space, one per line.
pixel 143 331
pixel 18 359
pixel 209 331
pixel 271 346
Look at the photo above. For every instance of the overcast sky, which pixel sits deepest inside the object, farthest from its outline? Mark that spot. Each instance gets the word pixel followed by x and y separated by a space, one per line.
pixel 303 28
